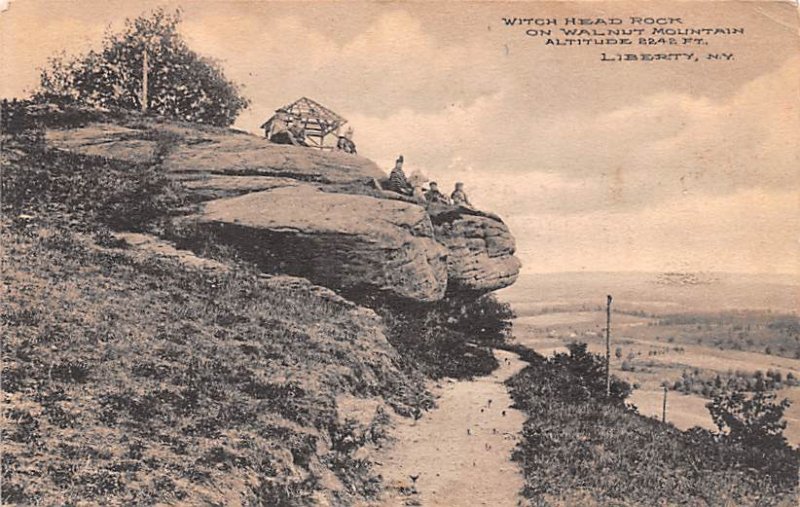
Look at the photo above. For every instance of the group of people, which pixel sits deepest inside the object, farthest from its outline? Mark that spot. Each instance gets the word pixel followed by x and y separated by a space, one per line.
pixel 398 182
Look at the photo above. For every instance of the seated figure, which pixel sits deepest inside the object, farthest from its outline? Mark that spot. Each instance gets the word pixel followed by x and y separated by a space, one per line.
pixel 298 132
pixel 459 197
pixel 397 179
pixel 345 143
pixel 434 196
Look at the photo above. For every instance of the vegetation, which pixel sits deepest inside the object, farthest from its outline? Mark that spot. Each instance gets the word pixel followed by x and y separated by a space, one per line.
pixel 170 383
pixel 451 338
pixel 755 331
pixel 755 420
pixel 579 447
pixel 133 379
pixel 181 84
pixel 759 331
pixel 177 384
pixel 710 385
pixel 89 190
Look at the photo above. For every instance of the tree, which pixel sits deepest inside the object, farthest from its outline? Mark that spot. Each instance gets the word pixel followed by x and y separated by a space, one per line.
pixel 181 84
pixel 585 374
pixel 756 420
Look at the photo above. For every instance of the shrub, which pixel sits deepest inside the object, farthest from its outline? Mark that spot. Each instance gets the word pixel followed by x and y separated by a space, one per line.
pixel 450 338
pixel 124 196
pixel 586 374
pixel 576 441
pixel 755 420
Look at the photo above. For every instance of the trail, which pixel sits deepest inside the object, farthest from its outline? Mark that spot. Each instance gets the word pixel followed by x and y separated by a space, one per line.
pixel 457 467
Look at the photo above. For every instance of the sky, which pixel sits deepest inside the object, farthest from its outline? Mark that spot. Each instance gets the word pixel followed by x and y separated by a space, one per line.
pixel 595 166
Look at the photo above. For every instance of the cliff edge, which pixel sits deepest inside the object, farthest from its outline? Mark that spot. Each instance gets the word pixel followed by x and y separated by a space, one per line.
pixel 319 215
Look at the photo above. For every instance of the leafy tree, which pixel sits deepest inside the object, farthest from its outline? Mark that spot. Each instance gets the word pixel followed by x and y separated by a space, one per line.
pixel 181 83
pixel 584 372
pixel 755 420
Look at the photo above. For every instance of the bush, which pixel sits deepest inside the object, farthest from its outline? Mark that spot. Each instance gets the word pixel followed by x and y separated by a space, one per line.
pixel 577 442
pixel 450 338
pixel 124 196
pixel 755 420
pixel 586 374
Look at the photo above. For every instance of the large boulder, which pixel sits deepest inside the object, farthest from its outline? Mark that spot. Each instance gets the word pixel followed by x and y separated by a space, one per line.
pixel 254 156
pixel 343 241
pixel 186 150
pixel 481 250
pixel 313 213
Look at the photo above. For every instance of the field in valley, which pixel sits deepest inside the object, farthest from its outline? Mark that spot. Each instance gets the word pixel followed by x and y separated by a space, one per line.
pixel 667 328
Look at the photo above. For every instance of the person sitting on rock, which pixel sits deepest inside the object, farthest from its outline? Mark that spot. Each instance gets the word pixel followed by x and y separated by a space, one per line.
pixel 298 134
pixel 278 128
pixel 433 196
pixel 459 197
pixel 345 143
pixel 397 179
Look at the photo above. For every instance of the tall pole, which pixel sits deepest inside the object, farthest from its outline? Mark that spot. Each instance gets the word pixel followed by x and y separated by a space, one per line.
pixel 608 346
pixel 664 407
pixel 145 70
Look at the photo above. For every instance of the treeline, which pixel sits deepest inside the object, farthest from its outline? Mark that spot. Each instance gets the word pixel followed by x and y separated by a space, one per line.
pixel 710 385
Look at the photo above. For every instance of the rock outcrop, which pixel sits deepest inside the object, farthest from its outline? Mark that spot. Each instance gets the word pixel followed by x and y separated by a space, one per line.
pixel 312 213
pixel 205 151
pixel 348 242
pixel 481 250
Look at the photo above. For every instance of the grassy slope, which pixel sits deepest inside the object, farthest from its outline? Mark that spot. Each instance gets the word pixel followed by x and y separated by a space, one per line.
pixel 131 380
pixel 578 450
pixel 136 380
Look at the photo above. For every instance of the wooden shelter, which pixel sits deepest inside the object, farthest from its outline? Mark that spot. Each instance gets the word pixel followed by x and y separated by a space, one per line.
pixel 317 121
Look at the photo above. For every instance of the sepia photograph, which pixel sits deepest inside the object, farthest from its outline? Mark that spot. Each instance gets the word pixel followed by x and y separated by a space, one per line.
pixel 400 253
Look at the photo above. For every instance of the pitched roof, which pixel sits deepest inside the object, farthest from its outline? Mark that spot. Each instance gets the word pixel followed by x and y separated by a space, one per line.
pixel 309 109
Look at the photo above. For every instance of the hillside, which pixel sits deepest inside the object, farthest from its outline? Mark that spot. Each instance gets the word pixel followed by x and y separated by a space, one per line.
pixel 134 379
pixel 135 372
pixel 196 316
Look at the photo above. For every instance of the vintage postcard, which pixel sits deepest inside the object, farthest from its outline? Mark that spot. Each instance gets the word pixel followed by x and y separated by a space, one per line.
pixel 377 253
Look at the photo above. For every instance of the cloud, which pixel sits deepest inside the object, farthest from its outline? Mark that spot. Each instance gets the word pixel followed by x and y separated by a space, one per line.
pixel 389 64
pixel 550 139
pixel 661 147
pixel 751 230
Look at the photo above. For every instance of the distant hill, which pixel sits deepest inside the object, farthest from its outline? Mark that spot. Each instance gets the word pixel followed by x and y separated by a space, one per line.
pixel 656 292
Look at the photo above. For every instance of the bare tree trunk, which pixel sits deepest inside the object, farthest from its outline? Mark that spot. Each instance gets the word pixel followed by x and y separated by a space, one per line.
pixel 608 346
pixel 664 407
pixel 145 71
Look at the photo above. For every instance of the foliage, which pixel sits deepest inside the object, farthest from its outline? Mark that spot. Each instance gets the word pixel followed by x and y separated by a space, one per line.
pixel 711 384
pixel 754 420
pixel 578 448
pixel 586 375
pixel 181 84
pixel 450 338
pixel 90 189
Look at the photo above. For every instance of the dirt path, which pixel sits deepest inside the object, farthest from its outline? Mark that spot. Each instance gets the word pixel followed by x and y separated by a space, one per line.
pixel 461 451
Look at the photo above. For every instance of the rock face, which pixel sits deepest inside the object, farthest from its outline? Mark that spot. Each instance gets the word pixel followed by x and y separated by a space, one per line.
pixel 342 241
pixel 310 213
pixel 481 251
pixel 211 150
